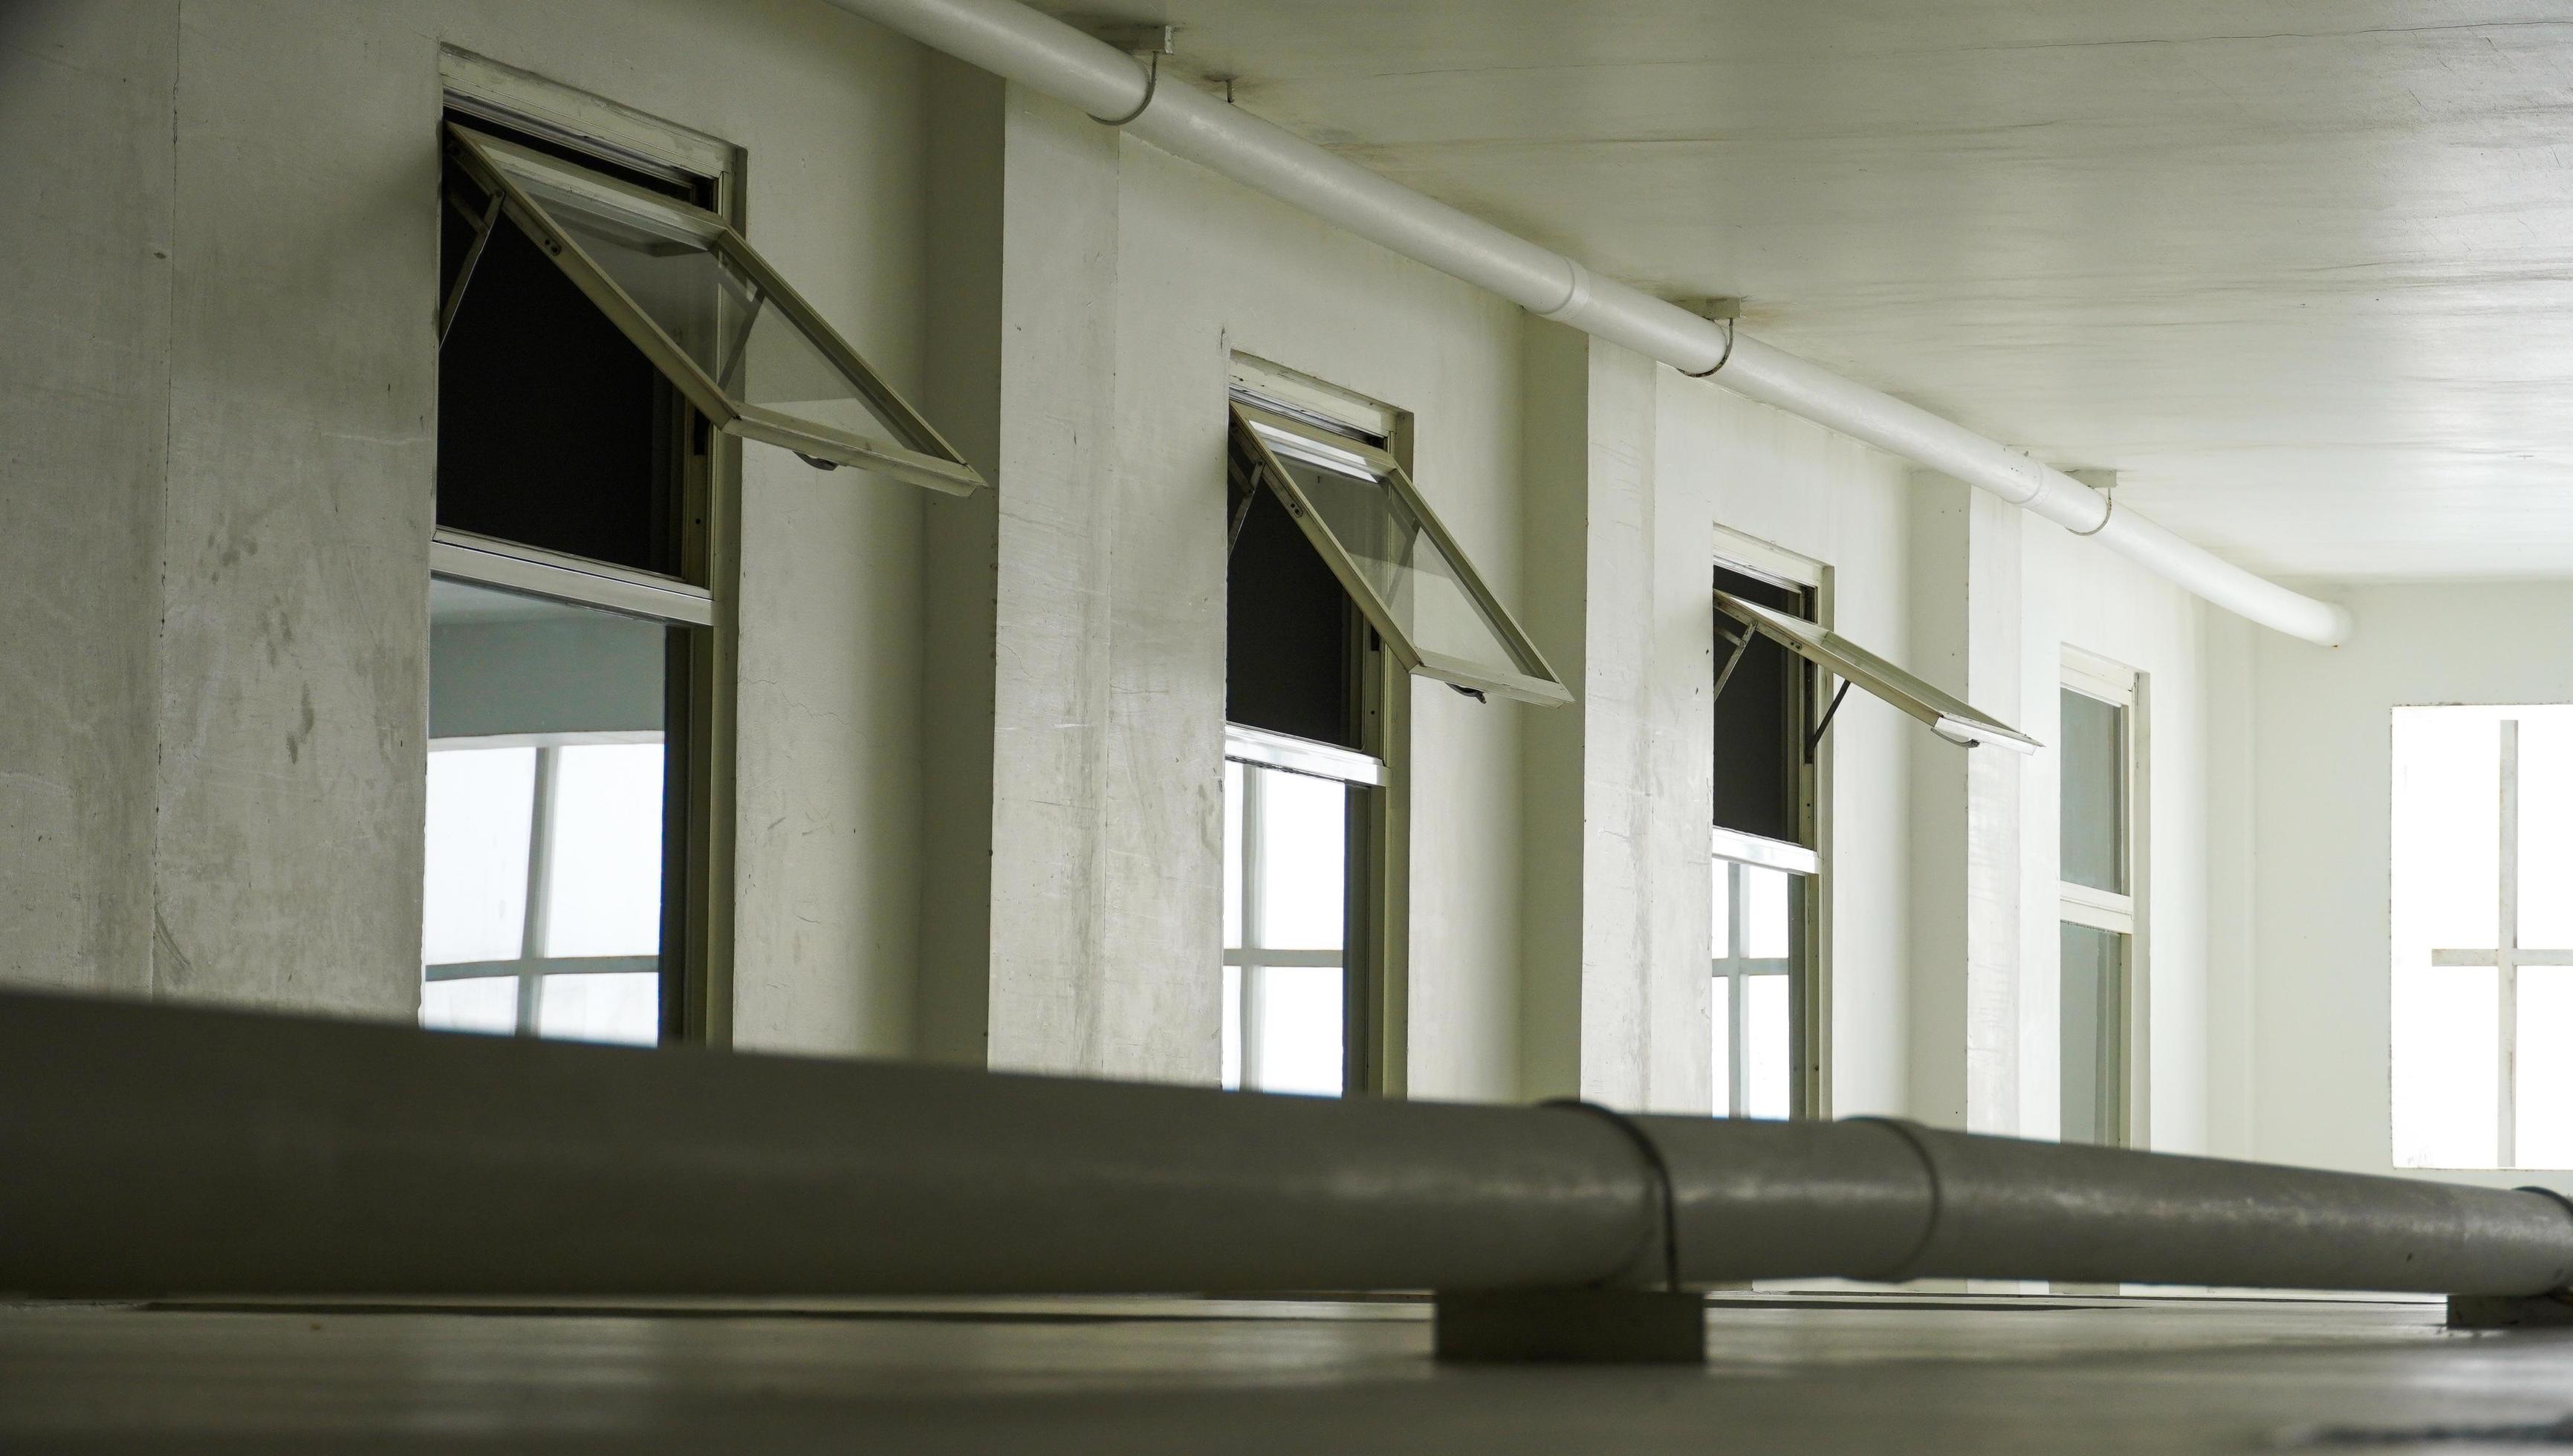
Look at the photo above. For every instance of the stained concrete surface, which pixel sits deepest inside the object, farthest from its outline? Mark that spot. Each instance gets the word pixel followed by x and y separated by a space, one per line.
pixel 1858 1373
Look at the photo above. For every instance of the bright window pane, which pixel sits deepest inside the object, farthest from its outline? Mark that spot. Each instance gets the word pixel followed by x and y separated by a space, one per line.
pixel 1232 1034
pixel 622 1007
pixel 1304 837
pixel 1723 1020
pixel 2092 762
pixel 2447 831
pixel 475 889
pixel 1299 1028
pixel 1723 938
pixel 1766 1044
pixel 2545 1111
pixel 487 1003
pixel 2446 1066
pixel 2546 832
pixel 2089 965
pixel 1765 905
pixel 1232 854
pixel 604 886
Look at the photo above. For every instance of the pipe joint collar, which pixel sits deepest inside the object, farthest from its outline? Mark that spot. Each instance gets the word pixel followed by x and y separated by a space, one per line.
pixel 1576 302
pixel 1657 1172
pixel 1152 85
pixel 1909 1266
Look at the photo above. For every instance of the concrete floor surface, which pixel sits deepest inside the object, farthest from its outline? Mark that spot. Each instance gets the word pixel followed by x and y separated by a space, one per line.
pixel 1850 1373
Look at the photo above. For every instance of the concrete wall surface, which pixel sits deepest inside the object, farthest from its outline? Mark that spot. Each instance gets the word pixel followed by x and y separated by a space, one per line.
pixel 218 486
pixel 978 749
pixel 2320 1053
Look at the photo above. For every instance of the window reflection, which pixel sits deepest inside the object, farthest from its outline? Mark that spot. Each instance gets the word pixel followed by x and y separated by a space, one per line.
pixel 543 867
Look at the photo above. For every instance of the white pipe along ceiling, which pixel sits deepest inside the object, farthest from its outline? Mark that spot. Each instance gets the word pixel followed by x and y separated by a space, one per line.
pixel 1035 50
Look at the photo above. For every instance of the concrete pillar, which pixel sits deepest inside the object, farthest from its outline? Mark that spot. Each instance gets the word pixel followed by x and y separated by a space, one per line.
pixel 87 92
pixel 1966 637
pixel 1617 911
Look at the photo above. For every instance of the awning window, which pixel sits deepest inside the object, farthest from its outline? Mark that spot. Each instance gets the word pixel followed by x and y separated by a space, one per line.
pixel 706 309
pixel 1948 716
pixel 1406 575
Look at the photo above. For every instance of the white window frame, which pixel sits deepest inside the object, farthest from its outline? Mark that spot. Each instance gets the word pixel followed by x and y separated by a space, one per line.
pixel 1810 1008
pixel 2121 914
pixel 2508 955
pixel 1377 997
pixel 703 765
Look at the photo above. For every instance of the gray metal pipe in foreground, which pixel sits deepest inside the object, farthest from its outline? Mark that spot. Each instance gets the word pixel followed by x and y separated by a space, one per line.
pixel 155 1149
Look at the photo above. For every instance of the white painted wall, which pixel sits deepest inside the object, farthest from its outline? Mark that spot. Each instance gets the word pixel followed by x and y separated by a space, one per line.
pixel 1798 486
pixel 1127 279
pixel 2073 593
pixel 2320 1044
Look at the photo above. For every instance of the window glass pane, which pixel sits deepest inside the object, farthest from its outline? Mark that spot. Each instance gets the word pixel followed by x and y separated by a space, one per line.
pixel 2545 1111
pixel 474 886
pixel 488 1004
pixel 2446 831
pixel 1232 773
pixel 604 876
pixel 1421 587
pixel 1232 1034
pixel 2091 1066
pixel 1303 827
pixel 1767 898
pixel 738 335
pixel 2446 1066
pixel 553 428
pixel 1766 1052
pixel 2092 760
pixel 2546 829
pixel 1723 1021
pixel 623 1006
pixel 1723 937
pixel 1299 1028
pixel 1760 719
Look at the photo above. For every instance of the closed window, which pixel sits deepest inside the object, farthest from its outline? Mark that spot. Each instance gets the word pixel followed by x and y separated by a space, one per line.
pixel 2482 927
pixel 2097 834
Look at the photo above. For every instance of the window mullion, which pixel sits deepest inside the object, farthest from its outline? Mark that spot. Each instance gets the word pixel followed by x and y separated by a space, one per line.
pixel 1255 936
pixel 531 923
pixel 2505 957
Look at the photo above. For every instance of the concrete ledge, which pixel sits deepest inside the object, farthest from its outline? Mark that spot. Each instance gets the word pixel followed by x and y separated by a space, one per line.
pixel 2511 1311
pixel 1585 1326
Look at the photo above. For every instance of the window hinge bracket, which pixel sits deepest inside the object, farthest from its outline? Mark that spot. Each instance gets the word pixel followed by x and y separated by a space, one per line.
pixel 1815 739
pixel 1740 646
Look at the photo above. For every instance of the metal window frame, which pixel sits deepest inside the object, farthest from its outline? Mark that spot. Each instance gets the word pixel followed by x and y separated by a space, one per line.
pixel 1546 690
pixel 1949 716
pixel 1733 965
pixel 1808 857
pixel 2125 1095
pixel 533 571
pixel 923 458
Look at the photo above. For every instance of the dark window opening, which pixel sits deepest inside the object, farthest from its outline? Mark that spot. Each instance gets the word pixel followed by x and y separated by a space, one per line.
pixel 552 429
pixel 1291 633
pixel 1760 719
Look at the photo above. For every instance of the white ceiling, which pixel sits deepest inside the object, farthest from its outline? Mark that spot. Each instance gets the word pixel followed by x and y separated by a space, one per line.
pixel 2302 270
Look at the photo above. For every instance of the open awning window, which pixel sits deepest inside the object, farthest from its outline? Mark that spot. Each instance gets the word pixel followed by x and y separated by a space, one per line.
pixel 1406 575
pixel 706 309
pixel 1948 716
